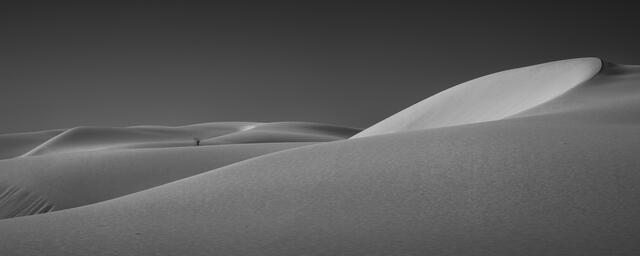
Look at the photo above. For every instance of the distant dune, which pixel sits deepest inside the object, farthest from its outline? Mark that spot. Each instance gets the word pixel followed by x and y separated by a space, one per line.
pixel 102 138
pixel 85 165
pixel 16 144
pixel 539 160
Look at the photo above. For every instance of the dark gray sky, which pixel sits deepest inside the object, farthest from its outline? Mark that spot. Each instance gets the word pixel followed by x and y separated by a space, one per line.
pixel 64 65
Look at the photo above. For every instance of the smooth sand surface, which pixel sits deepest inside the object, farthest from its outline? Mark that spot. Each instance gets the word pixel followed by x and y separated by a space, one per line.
pixel 492 97
pixel 284 132
pixel 559 178
pixel 102 138
pixel 80 178
pixel 85 165
pixel 16 144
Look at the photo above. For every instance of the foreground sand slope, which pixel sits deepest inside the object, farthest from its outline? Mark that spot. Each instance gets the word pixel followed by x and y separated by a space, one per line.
pixel 558 180
pixel 86 165
pixel 524 187
pixel 80 178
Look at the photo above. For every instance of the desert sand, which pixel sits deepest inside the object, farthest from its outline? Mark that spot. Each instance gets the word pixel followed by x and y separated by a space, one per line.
pixel 84 165
pixel 540 160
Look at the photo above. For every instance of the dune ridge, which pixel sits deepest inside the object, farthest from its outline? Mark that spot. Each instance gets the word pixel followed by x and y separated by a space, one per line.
pixel 492 97
pixel 610 96
pixel 16 144
pixel 108 138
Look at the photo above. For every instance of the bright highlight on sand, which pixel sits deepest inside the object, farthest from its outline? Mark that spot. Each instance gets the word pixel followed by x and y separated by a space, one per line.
pixel 492 97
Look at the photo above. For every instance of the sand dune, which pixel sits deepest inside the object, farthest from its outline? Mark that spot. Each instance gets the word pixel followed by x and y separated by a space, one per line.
pixel 79 178
pixel 102 138
pixel 284 132
pixel 553 175
pixel 492 97
pixel 611 96
pixel 86 165
pixel 500 188
pixel 16 144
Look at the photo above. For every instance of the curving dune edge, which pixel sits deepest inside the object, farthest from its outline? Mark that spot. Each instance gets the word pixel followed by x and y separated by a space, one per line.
pixel 492 97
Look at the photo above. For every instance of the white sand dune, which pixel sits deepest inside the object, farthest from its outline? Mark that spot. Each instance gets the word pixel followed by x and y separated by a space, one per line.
pixel 102 138
pixel 502 188
pixel 556 176
pixel 492 97
pixel 283 132
pixel 611 96
pixel 80 178
pixel 86 165
pixel 16 144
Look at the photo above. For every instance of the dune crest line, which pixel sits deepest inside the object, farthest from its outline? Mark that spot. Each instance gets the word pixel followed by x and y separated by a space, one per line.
pixel 492 97
pixel 88 138
pixel 86 165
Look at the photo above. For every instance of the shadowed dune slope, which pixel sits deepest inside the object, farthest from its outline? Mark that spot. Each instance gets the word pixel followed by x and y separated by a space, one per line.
pixel 611 96
pixel 491 97
pixel 15 202
pixel 555 179
pixel 16 144
pixel 80 178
